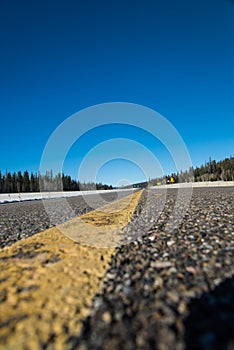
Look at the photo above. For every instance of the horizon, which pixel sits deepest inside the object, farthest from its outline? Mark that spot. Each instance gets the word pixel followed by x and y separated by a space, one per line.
pixel 121 183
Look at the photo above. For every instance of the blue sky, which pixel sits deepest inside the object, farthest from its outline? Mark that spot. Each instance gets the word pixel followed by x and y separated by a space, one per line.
pixel 59 57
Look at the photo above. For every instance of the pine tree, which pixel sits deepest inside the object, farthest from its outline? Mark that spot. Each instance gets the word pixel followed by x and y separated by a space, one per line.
pixel 26 182
pixel 14 182
pixel 19 181
pixel 8 183
pixel 1 183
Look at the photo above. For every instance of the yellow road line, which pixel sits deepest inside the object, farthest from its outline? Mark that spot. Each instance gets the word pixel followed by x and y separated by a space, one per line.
pixel 48 281
pixel 102 227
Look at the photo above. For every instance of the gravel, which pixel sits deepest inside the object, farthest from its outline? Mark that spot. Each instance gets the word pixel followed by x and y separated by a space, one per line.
pixel 170 290
pixel 165 289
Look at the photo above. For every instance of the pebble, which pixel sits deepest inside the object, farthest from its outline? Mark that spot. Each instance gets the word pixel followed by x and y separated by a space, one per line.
pixel 160 264
pixel 106 317
pixel 170 243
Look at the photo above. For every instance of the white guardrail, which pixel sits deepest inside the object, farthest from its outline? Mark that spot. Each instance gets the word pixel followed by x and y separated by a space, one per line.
pixel 20 197
pixel 197 184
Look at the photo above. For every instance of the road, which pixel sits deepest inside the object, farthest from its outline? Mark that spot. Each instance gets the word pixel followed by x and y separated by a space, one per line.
pixel 159 289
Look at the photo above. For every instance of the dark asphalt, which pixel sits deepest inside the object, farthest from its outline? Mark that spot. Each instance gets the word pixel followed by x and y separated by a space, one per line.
pixel 171 290
pixel 19 220
pixel 163 290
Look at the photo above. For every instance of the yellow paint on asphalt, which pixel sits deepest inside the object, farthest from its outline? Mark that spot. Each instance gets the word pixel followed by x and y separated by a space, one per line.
pixel 102 227
pixel 158 194
pixel 48 281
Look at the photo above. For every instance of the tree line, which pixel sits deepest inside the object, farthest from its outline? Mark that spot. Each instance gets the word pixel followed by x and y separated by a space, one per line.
pixel 210 171
pixel 25 182
pixel 215 171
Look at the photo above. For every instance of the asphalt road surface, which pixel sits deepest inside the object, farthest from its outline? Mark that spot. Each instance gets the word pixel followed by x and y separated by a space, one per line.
pixel 164 289
pixel 20 220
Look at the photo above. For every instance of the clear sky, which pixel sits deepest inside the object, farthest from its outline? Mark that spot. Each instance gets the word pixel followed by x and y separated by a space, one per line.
pixel 58 57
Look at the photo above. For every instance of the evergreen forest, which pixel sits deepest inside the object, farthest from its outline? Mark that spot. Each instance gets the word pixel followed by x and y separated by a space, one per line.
pixel 25 182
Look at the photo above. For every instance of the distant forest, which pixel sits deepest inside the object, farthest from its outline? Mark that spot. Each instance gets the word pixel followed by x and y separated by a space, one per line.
pixel 25 182
pixel 211 171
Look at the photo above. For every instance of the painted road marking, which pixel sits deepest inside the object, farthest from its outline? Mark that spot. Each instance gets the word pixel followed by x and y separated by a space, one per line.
pixel 102 227
pixel 48 282
pixel 158 194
